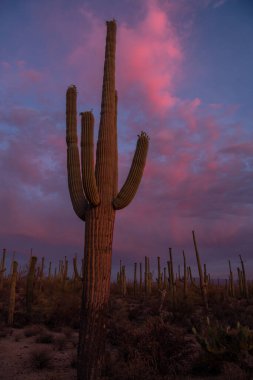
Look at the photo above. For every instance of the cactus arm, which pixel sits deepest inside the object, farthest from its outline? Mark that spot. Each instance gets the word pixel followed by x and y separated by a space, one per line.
pixel 77 196
pixel 133 180
pixel 87 157
pixel 116 146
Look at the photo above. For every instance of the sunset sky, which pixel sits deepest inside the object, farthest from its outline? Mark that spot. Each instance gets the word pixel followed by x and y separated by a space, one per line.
pixel 183 75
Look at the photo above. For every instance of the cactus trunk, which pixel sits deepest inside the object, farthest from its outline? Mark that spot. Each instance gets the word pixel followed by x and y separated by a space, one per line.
pixel 96 290
pixel 95 199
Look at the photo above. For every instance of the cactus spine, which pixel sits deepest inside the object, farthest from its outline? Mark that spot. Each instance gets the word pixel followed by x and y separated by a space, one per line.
pixel 12 293
pixel 95 199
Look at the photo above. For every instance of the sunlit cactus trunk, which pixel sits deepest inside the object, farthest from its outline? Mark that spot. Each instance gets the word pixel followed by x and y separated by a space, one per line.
pixel 95 199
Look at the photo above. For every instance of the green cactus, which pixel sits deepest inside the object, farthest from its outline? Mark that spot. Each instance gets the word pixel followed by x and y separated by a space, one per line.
pixel 95 199
pixel 223 341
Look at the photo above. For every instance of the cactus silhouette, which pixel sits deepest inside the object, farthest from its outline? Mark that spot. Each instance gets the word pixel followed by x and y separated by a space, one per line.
pixel 95 199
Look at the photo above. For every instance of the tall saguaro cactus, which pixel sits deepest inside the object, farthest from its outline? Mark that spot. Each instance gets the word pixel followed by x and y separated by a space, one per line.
pixel 95 199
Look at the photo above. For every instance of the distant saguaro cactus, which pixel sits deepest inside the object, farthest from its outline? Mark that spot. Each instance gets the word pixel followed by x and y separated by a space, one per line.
pixel 29 285
pixel 2 268
pixel 95 198
pixel 203 284
pixel 12 293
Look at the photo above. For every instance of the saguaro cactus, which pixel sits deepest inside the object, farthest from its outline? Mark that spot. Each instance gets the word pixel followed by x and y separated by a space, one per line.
pixel 203 284
pixel 185 276
pixel 95 198
pixel 2 268
pixel 29 285
pixel 12 293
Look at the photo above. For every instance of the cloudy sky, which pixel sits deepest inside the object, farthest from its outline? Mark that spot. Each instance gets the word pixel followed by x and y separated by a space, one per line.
pixel 184 75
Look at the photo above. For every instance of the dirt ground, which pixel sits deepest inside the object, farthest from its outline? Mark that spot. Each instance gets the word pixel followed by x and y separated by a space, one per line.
pixel 17 361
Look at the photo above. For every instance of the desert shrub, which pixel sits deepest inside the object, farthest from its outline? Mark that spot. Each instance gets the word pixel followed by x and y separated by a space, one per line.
pixel 150 351
pixel 18 337
pixel 68 332
pixel 45 337
pixel 62 313
pixel 60 342
pixel 73 360
pixel 232 371
pixel 5 331
pixel 41 359
pixel 33 330
pixel 207 365
pixel 20 319
pixel 224 344
pixel 165 348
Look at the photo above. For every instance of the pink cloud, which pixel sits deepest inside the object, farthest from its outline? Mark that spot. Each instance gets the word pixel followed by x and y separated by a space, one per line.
pixel 149 58
pixel 149 55
pixel 32 76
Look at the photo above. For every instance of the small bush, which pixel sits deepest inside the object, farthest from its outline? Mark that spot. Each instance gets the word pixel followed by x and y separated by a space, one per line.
pixel 18 337
pixel 33 331
pixel 68 332
pixel 41 359
pixel 60 342
pixel 46 338
pixel 73 361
